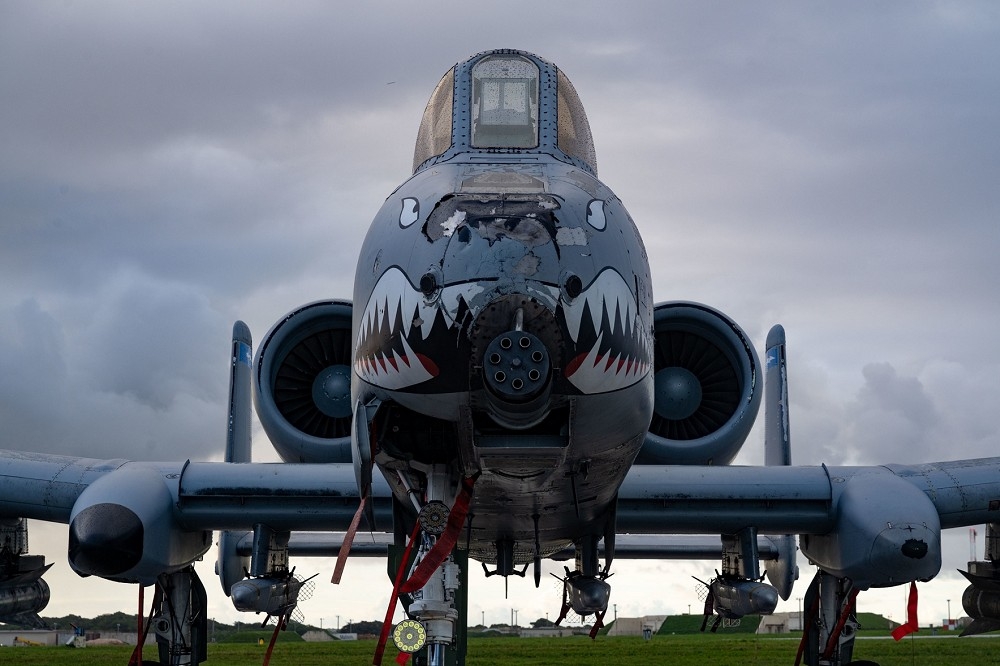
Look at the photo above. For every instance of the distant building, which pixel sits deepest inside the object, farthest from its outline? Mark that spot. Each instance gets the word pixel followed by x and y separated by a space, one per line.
pixel 634 626
pixel 546 632
pixel 63 637
pixel 783 623
pixel 780 623
pixel 955 624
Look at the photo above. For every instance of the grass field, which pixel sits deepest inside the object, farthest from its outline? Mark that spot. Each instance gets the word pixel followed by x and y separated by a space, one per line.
pixel 577 651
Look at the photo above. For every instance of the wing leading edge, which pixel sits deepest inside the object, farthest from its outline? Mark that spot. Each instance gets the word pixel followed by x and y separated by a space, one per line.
pixel 821 502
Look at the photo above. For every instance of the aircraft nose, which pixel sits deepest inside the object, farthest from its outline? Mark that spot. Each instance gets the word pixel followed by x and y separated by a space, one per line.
pixel 516 366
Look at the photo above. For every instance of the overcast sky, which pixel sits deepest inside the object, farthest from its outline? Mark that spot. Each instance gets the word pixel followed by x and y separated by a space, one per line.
pixel 167 168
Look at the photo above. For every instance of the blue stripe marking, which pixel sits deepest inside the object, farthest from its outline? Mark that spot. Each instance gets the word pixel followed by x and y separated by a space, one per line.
pixel 243 355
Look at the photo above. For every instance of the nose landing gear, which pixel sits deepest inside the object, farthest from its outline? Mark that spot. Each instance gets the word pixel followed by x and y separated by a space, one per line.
pixel 434 579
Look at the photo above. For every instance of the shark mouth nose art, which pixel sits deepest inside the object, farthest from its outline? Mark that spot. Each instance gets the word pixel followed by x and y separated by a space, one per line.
pixel 613 347
pixel 403 339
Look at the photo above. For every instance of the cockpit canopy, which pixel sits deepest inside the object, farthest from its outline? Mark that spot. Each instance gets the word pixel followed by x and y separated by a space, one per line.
pixel 505 101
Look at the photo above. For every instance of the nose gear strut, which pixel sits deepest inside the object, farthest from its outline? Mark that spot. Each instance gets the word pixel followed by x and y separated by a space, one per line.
pixel 434 577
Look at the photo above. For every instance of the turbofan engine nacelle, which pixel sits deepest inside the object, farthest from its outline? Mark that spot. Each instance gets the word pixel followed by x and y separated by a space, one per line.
pixel 707 387
pixel 887 531
pixel 123 528
pixel 302 387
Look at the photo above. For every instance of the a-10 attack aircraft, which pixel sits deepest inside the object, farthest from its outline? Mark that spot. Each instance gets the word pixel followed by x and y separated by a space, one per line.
pixel 501 389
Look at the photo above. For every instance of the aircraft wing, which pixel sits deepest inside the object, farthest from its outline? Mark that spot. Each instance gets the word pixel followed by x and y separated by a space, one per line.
pixel 202 495
pixel 45 486
pixel 870 504
pixel 800 499
pixel 653 498
pixel 627 546
pixel 877 525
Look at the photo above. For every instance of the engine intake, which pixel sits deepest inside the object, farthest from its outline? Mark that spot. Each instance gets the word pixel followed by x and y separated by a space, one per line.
pixel 302 391
pixel 706 387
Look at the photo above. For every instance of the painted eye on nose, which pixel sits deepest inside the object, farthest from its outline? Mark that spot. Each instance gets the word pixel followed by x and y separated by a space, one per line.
pixel 409 213
pixel 595 215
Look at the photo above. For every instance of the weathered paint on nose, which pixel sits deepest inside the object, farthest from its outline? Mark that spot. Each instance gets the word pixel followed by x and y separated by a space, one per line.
pixel 508 241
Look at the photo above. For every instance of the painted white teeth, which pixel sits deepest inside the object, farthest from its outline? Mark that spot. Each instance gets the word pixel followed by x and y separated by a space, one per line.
pixel 394 299
pixel 395 371
pixel 607 293
pixel 608 296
